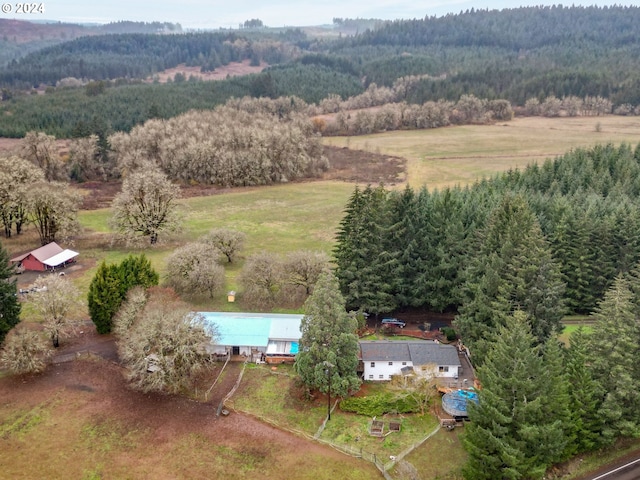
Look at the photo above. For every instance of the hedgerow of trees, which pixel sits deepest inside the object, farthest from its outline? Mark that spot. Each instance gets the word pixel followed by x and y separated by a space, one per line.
pixel 226 146
pixel 423 249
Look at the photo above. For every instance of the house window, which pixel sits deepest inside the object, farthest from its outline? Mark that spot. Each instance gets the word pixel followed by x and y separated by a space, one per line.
pixel 373 364
pixel 370 377
pixel 381 377
pixel 443 369
pixel 390 363
pixel 404 363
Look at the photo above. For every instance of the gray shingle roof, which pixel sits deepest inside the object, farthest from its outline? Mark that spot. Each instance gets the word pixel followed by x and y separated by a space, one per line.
pixel 418 352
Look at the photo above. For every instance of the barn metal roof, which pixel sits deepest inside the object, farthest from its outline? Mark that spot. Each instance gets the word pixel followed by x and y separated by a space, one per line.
pixel 60 258
pixel 41 254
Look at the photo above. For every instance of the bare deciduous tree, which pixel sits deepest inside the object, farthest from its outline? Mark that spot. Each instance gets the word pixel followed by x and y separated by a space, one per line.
pixel 16 177
pixel 40 149
pixel 193 269
pixel 227 241
pixel 84 159
pixel 25 351
pixel 303 268
pixel 166 345
pixel 421 388
pixel 146 206
pixel 551 107
pixel 136 300
pixel 55 299
pixel 262 279
pixel 53 208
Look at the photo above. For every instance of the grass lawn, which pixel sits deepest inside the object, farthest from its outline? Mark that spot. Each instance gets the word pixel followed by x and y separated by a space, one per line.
pixel 571 324
pixel 274 396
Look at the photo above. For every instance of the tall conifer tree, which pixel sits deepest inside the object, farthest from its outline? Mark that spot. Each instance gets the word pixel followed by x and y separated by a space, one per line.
pixel 329 345
pixel 512 434
pixel 614 353
pixel 9 304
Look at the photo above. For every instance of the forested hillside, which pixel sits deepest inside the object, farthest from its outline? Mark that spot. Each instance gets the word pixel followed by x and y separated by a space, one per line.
pixel 520 56
pixel 70 112
pixel 512 54
pixel 133 56
pixel 19 38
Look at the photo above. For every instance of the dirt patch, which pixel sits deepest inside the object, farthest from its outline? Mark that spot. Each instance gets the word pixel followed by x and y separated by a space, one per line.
pixel 176 437
pixel 364 167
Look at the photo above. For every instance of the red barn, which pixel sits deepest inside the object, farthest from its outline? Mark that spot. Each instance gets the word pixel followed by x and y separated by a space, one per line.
pixel 49 257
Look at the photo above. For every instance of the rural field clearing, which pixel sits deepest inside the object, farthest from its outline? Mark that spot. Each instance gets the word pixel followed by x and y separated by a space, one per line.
pixel 462 154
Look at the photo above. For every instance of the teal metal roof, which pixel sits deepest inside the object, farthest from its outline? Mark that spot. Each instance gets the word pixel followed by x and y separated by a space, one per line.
pixel 252 329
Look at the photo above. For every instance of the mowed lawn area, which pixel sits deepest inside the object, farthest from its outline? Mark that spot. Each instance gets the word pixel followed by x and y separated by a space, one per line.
pixel 460 155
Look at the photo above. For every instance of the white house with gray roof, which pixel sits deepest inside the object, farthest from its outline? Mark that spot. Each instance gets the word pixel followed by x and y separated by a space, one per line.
pixel 382 359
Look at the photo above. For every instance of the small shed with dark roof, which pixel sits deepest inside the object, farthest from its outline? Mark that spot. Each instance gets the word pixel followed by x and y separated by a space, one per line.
pixel 382 359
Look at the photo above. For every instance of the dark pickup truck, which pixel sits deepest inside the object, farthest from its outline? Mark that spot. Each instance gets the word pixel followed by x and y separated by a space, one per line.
pixel 393 322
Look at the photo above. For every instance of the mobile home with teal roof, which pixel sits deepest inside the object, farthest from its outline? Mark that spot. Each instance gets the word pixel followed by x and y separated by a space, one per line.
pixel 257 336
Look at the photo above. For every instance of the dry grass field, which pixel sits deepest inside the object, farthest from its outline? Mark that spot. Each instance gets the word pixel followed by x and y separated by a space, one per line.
pixel 460 155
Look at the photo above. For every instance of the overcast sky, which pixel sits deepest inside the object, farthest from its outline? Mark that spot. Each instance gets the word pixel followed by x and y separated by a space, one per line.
pixel 203 14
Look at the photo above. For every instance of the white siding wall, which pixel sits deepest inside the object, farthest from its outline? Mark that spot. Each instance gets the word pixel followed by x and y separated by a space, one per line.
pixel 381 371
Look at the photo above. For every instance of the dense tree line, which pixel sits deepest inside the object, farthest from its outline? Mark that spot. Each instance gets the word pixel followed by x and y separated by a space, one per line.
pixel 227 146
pixel 453 250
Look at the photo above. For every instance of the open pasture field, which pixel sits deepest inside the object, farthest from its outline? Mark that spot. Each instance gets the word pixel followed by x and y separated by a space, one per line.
pixel 305 215
pixel 460 155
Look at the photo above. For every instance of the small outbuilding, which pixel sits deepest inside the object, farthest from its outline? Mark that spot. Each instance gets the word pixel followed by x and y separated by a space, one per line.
pixel 48 257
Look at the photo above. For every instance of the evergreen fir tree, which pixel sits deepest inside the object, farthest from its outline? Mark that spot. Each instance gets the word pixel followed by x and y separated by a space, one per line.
pixel 614 353
pixel 109 287
pixel 512 270
pixel 9 304
pixel 364 266
pixel 105 296
pixel 511 434
pixel 585 397
pixel 329 344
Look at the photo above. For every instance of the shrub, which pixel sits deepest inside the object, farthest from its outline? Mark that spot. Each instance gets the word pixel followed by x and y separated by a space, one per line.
pixel 449 333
